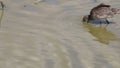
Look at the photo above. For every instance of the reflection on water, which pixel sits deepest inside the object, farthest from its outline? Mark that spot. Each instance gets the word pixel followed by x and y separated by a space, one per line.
pixel 101 33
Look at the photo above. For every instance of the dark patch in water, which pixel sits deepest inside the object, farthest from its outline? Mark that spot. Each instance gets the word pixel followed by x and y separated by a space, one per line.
pixel 101 33
pixel 2 11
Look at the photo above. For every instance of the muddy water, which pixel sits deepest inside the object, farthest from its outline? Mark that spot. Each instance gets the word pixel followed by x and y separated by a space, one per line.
pixel 50 34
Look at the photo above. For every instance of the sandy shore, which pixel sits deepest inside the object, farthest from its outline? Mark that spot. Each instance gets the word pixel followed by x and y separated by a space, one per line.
pixel 50 34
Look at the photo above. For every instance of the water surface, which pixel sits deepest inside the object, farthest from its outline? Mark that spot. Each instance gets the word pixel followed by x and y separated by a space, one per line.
pixel 50 34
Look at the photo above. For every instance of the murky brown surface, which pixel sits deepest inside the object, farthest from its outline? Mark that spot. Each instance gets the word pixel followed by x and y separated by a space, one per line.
pixel 50 34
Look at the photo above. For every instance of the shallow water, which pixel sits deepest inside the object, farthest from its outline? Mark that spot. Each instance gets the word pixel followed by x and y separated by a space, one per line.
pixel 50 34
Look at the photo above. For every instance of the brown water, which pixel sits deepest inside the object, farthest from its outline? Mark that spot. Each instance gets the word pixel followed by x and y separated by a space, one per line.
pixel 50 34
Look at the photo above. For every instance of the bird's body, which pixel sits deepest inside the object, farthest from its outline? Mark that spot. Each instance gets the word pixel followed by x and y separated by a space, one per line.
pixel 101 12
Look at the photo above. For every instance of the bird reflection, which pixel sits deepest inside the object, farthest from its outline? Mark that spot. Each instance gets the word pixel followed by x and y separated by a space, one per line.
pixel 101 33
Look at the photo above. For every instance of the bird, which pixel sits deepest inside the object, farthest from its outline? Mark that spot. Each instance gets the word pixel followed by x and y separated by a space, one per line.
pixel 100 14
